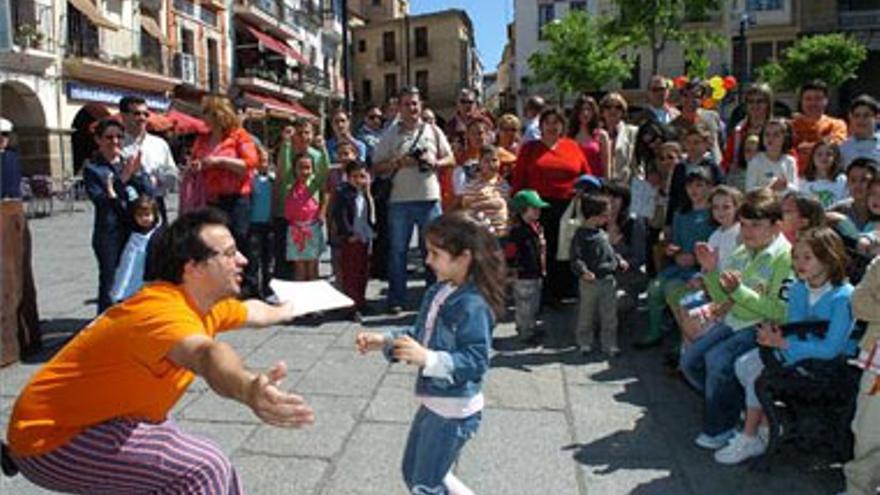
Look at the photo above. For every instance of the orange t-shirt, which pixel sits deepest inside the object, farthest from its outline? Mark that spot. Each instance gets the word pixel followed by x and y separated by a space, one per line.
pixel 807 132
pixel 115 367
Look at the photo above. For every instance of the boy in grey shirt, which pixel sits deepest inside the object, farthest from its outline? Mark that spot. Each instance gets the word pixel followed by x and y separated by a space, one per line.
pixel 594 262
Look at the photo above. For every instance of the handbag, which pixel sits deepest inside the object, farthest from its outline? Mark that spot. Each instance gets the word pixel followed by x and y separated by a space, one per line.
pixel 193 193
pixel 569 223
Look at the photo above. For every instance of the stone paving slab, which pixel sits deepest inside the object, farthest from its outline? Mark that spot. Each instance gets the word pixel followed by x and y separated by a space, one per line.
pixel 266 475
pixel 371 462
pixel 538 387
pixel 606 428
pixel 344 372
pixel 394 400
pixel 298 349
pixel 518 451
pixel 335 418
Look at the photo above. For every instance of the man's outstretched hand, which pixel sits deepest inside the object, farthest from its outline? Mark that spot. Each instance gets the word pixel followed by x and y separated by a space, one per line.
pixel 275 406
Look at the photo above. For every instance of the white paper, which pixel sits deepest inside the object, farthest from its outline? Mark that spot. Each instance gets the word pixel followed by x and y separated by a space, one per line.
pixel 310 297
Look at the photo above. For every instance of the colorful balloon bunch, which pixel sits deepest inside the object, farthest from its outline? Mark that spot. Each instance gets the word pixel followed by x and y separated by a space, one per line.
pixel 718 87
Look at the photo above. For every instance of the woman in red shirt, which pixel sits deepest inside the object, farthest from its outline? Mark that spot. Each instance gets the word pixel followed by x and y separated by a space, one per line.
pixel 550 166
pixel 227 158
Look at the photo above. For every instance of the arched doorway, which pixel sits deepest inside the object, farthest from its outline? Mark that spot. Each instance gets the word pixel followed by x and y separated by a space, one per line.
pixel 20 105
pixel 82 140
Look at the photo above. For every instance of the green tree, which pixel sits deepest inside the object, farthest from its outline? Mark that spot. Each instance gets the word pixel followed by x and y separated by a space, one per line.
pixel 656 23
pixel 833 58
pixel 581 55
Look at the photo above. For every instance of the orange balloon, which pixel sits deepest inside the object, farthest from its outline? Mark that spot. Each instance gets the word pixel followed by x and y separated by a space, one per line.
pixel 708 103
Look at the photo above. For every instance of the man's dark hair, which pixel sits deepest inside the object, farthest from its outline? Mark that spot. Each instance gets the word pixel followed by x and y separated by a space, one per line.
pixel 814 85
pixel 301 122
pixel 126 102
pixel 761 204
pixel 864 101
pixel 535 104
pixel 354 166
pixel 868 164
pixel 182 242
pixel 408 91
pixel 593 205
pixel 106 123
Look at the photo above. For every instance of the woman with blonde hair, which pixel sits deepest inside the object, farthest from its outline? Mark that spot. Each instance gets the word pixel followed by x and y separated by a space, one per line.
pixel 226 157
pixel 509 132
pixel 622 136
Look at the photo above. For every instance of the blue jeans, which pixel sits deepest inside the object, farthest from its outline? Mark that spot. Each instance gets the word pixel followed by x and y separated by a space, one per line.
pixel 402 217
pixel 432 447
pixel 708 364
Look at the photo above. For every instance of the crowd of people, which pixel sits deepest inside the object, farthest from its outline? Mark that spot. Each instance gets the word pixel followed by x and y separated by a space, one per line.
pixel 729 230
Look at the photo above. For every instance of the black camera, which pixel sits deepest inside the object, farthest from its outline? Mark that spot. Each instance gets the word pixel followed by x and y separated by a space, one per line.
pixel 418 154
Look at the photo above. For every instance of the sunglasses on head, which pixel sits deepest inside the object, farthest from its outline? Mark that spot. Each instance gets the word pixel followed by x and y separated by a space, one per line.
pixel 613 107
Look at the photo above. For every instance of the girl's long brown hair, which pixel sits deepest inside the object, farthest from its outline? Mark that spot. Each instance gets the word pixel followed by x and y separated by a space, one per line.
pixel 455 233
pixel 828 248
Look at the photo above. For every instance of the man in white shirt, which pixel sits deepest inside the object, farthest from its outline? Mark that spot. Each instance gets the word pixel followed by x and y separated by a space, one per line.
pixel 864 140
pixel 152 151
pixel 532 112
pixel 411 151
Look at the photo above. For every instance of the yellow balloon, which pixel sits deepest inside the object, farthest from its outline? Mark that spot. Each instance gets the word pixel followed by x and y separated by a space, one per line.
pixel 716 82
pixel 718 93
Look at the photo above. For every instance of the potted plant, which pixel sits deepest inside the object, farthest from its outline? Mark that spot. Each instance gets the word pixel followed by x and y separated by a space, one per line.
pixel 28 36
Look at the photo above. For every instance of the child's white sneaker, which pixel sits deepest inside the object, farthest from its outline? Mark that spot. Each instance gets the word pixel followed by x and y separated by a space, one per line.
pixel 714 442
pixel 742 447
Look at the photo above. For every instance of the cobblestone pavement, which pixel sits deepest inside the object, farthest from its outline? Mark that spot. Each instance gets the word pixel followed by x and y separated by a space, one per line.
pixel 554 423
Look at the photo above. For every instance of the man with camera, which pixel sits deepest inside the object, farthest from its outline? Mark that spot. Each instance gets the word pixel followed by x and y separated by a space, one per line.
pixel 410 152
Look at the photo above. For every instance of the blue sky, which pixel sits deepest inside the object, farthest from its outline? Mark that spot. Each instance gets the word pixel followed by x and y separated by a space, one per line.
pixel 490 18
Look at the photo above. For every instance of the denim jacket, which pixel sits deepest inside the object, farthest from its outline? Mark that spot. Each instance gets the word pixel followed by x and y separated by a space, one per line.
pixel 462 338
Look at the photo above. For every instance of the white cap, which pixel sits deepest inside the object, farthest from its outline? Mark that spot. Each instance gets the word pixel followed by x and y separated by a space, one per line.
pixel 5 125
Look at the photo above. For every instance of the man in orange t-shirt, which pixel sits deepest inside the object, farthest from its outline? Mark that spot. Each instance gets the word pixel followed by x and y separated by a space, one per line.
pixel 812 125
pixel 96 415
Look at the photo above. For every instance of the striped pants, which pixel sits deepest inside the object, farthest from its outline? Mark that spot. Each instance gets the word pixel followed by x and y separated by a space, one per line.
pixel 126 456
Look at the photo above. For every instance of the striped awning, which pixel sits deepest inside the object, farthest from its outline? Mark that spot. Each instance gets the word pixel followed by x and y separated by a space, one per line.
pixel 150 25
pixel 88 9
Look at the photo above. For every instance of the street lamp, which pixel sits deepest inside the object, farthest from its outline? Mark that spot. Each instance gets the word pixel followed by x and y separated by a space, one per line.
pixel 740 47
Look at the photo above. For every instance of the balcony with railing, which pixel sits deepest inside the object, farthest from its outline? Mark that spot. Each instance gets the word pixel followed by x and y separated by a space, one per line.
pixel 88 57
pixel 267 69
pixel 309 15
pixel 33 35
pixel 274 16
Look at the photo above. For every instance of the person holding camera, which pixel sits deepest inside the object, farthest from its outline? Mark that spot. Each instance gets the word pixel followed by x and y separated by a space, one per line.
pixel 410 151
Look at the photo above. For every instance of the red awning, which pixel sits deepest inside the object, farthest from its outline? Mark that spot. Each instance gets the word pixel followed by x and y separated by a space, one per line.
pixel 276 45
pixel 292 108
pixel 187 124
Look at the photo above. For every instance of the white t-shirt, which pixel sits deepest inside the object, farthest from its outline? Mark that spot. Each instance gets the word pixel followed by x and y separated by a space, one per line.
pixel 725 242
pixel 853 148
pixel 762 171
pixel 410 184
pixel 826 191
pixel 156 159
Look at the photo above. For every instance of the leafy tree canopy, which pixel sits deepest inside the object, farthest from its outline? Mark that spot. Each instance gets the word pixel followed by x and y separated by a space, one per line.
pixel 833 58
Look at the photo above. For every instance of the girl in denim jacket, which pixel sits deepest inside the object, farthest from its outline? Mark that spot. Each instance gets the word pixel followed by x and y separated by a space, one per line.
pixel 450 344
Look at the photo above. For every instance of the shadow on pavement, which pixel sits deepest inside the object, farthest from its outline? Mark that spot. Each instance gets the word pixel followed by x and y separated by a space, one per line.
pixel 56 333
